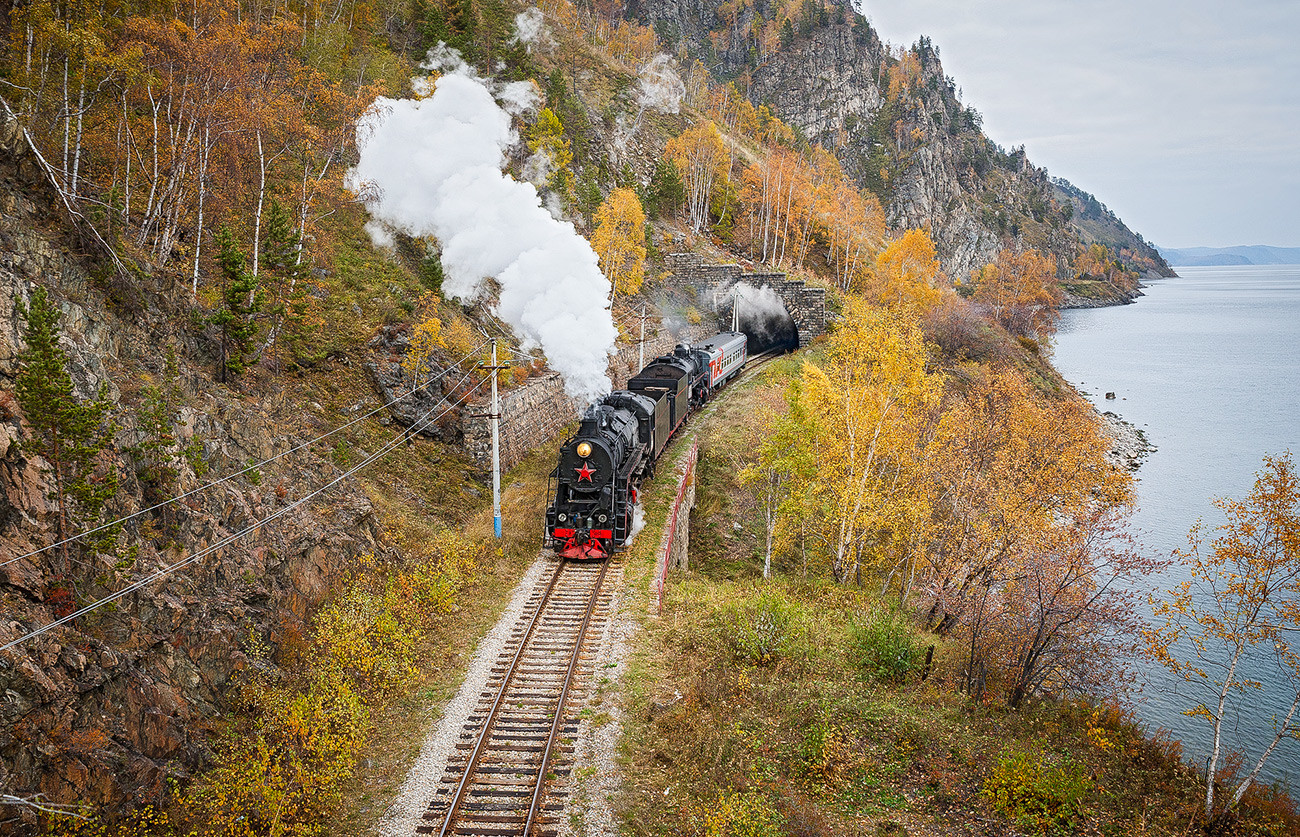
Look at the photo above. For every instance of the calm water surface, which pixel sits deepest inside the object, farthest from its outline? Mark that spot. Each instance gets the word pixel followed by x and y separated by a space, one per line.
pixel 1208 366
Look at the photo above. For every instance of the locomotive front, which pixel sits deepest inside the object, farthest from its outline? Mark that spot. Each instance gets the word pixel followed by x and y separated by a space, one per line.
pixel 587 516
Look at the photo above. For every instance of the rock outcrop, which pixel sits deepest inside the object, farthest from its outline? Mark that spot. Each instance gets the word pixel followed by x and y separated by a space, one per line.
pixel 108 708
pixel 906 136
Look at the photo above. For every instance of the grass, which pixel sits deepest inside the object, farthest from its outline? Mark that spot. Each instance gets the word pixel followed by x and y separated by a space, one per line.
pixel 794 706
pixel 400 729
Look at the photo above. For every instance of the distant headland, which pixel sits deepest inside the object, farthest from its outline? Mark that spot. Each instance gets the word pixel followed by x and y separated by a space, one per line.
pixel 1256 254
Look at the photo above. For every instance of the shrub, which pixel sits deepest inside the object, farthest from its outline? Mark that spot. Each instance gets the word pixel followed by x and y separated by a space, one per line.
pixel 286 773
pixel 760 632
pixel 884 647
pixel 961 333
pixel 1037 793
pixel 825 755
pixel 286 778
pixel 736 814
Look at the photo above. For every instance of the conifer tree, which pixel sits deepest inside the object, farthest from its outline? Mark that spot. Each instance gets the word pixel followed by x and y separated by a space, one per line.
pixel 284 275
pixel 158 417
pixel 69 434
pixel 241 298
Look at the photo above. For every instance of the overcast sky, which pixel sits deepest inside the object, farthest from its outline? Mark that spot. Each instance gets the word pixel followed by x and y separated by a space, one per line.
pixel 1183 116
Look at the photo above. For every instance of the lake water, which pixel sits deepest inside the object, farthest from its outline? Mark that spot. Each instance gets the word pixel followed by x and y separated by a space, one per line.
pixel 1208 366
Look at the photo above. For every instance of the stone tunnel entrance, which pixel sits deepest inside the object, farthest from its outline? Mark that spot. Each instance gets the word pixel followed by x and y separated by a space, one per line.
pixel 761 314
pixel 715 286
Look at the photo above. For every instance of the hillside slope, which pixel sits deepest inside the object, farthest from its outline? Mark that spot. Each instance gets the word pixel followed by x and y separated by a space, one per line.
pixel 896 123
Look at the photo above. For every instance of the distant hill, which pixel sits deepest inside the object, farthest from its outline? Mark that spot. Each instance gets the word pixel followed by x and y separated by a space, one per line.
pixel 1224 256
pixel 896 122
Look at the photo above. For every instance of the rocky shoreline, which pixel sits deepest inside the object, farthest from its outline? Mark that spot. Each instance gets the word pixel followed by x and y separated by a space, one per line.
pixel 1074 301
pixel 1129 444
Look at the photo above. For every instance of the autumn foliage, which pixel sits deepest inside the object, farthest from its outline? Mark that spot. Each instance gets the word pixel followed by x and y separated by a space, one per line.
pixel 990 507
pixel 619 241
pixel 1229 629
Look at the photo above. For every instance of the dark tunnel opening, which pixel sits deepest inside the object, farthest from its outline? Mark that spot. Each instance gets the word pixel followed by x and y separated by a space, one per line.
pixel 769 328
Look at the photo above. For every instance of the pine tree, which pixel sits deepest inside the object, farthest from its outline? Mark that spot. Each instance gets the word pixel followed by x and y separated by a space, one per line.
pixel 158 417
pixel 70 435
pixel 241 299
pixel 284 276
pixel 666 189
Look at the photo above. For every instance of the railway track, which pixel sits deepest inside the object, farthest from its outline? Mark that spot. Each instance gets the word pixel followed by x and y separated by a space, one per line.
pixel 515 753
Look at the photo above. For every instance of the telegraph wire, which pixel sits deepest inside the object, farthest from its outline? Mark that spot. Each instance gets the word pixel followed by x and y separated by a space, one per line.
pixel 252 467
pixel 208 550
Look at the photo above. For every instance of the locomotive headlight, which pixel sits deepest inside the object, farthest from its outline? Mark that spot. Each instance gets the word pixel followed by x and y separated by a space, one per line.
pixel 601 517
pixel 562 517
pixel 584 449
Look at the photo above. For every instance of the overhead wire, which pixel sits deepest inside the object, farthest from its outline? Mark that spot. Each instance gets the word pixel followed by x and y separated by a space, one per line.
pixel 246 470
pixel 208 550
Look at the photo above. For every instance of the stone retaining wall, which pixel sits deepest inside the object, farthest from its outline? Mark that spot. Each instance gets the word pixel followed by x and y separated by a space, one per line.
pixel 675 541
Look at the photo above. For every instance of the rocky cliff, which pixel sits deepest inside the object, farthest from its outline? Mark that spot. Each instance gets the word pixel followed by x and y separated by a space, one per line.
pixel 895 121
pixel 105 710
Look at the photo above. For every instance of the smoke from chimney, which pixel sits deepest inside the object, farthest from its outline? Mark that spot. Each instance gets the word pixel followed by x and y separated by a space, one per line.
pixel 433 167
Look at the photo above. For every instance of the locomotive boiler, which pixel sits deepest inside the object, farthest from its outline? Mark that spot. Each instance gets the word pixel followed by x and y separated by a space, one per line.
pixel 621 437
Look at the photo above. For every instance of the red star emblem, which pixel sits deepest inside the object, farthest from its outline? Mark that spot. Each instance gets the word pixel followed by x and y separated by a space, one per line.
pixel 585 472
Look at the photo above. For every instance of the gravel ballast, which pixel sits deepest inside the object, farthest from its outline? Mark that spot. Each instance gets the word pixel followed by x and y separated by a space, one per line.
pixel 421 784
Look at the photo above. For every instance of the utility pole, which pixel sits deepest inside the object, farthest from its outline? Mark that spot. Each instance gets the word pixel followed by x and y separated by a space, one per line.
pixel 495 416
pixel 496 447
pixel 641 358
pixel 735 310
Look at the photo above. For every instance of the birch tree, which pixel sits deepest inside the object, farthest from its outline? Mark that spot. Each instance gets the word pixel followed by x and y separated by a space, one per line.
pixel 870 415
pixel 1237 615
pixel 704 162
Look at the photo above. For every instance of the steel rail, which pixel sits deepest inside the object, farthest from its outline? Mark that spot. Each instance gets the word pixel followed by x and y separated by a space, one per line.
pixel 558 721
pixel 481 744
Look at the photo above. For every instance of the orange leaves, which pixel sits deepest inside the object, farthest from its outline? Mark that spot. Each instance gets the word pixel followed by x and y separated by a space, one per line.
pixel 1240 607
pixel 1027 511
pixel 631 43
pixel 904 77
pixel 792 200
pixel 906 274
pixel 1019 290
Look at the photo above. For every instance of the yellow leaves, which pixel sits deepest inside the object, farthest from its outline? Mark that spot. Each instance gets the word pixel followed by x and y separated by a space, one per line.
pixel 906 274
pixel 459 338
pixel 546 137
pixel 737 814
pixel 702 158
pixel 425 339
pixel 619 240
pixel 866 417
pixel 285 776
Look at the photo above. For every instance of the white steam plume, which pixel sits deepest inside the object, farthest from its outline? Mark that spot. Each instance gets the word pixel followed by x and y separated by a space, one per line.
pixel 432 167
pixel 760 305
pixel 531 29
pixel 659 85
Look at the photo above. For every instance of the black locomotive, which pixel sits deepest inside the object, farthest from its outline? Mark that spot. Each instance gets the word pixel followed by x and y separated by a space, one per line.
pixel 621 437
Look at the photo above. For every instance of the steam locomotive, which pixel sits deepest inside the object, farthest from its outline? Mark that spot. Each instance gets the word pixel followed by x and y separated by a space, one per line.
pixel 621 437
